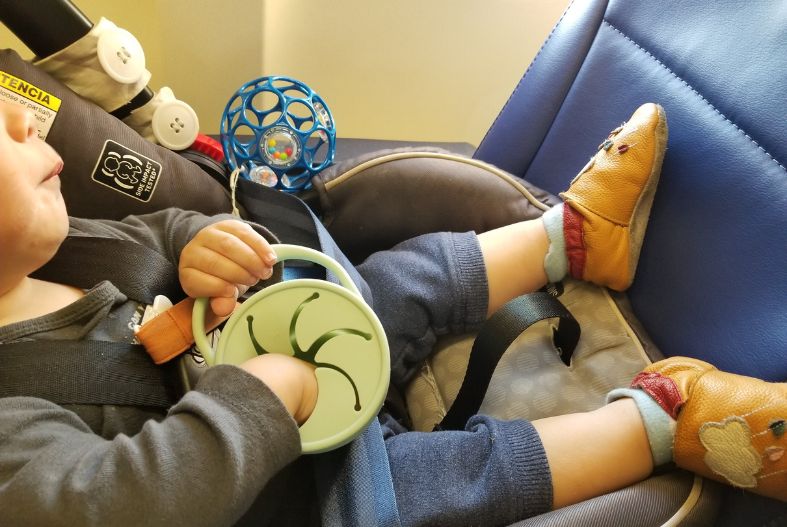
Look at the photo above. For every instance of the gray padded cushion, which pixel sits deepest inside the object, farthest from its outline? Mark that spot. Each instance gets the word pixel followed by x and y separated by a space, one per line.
pixel 374 201
pixel 651 502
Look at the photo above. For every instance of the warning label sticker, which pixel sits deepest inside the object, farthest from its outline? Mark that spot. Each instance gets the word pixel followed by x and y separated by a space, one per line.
pixel 43 105
pixel 127 171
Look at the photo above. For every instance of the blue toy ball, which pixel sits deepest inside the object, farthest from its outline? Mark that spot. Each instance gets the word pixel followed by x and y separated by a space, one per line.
pixel 278 132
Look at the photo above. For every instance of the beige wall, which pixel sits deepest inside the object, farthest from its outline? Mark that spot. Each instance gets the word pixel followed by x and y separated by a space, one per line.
pixel 421 70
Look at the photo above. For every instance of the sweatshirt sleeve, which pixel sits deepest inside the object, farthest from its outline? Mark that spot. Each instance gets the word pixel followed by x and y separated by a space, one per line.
pixel 203 464
pixel 166 231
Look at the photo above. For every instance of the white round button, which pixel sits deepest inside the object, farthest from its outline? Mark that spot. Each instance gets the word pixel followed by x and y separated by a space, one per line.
pixel 121 55
pixel 175 125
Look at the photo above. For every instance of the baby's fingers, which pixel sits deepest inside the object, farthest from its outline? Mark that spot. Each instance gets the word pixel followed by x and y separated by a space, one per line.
pixel 210 262
pixel 222 294
pixel 242 244
pixel 197 283
pixel 223 307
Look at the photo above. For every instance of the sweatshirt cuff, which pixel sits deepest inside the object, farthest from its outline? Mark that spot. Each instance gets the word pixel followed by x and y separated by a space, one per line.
pixel 530 468
pixel 253 403
pixel 471 280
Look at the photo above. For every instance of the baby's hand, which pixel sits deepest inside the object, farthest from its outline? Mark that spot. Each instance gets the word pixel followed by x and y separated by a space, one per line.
pixel 222 261
pixel 292 380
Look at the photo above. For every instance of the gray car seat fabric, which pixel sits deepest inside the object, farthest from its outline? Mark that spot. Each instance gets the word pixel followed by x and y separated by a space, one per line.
pixel 677 498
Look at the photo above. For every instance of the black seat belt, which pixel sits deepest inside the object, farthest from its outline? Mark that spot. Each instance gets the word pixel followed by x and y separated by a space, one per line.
pixel 87 372
pixel 286 215
pixel 97 372
pixel 138 271
pixel 495 337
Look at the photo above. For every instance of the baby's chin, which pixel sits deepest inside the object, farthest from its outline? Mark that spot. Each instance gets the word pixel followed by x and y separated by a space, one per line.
pixel 59 225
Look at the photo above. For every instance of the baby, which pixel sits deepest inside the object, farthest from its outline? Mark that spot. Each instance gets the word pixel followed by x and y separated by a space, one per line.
pixel 208 459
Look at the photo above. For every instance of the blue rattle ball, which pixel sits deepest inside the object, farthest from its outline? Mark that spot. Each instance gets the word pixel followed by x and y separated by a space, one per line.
pixel 278 132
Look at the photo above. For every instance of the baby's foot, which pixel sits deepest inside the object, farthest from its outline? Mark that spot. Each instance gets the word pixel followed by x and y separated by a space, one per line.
pixel 729 427
pixel 607 205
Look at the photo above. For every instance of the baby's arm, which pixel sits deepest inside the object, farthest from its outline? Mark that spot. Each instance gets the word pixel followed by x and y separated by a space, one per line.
pixel 201 465
pixel 224 256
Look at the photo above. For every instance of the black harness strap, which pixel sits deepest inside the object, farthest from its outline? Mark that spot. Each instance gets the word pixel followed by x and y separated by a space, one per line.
pixel 97 372
pixel 138 271
pixel 87 372
pixel 286 215
pixel 495 337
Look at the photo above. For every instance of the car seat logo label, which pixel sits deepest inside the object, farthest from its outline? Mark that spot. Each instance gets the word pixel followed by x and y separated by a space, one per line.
pixel 43 105
pixel 126 171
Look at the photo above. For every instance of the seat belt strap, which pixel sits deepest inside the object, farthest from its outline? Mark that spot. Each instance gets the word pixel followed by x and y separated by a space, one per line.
pixel 286 215
pixel 138 271
pixel 495 337
pixel 97 372
pixel 87 372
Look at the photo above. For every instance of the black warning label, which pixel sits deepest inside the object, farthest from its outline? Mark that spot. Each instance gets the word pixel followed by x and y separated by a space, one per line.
pixel 126 171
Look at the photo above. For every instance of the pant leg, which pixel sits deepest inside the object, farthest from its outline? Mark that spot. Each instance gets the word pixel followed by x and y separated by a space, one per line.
pixel 492 473
pixel 425 287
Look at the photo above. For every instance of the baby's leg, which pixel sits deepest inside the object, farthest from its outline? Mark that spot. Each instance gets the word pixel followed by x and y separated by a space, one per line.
pixel 596 235
pixel 492 473
pixel 498 472
pixel 425 287
pixel 596 452
pixel 449 283
pixel 726 427
pixel 514 260
pixel 722 426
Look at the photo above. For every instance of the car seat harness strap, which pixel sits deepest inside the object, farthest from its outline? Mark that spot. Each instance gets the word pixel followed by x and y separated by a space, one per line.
pixel 138 271
pixel 87 372
pixel 496 336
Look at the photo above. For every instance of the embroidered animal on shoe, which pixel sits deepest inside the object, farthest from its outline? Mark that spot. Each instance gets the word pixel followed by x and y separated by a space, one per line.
pixel 731 454
pixel 310 354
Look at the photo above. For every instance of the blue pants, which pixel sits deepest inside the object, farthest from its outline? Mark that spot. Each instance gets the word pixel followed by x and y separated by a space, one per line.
pixel 492 473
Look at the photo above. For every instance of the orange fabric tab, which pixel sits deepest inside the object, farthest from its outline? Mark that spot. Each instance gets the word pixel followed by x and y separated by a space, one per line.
pixel 169 334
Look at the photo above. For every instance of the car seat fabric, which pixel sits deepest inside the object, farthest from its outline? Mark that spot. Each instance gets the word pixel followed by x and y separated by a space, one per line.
pixel 110 171
pixel 658 500
pixel 711 281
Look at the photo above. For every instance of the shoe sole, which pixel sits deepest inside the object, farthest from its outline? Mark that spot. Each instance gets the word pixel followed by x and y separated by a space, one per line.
pixel 641 213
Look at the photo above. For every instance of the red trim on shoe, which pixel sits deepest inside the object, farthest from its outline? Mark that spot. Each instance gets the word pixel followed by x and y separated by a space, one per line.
pixel 576 252
pixel 662 389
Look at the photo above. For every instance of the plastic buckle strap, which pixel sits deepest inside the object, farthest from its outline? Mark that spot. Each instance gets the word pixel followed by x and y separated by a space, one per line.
pixel 169 334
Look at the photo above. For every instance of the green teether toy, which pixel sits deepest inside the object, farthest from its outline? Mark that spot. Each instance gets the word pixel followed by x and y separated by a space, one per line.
pixel 320 322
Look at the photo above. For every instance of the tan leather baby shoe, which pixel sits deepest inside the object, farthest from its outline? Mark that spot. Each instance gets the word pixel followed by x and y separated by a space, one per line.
pixel 609 201
pixel 730 428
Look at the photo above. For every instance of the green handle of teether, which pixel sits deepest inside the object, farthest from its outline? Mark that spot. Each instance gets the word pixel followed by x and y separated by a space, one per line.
pixel 283 252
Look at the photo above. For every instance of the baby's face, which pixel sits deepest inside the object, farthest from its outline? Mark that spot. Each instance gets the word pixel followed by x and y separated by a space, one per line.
pixel 33 219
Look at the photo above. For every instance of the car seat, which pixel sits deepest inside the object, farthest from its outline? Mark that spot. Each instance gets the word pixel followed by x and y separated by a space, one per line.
pixel 712 279
pixel 695 298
